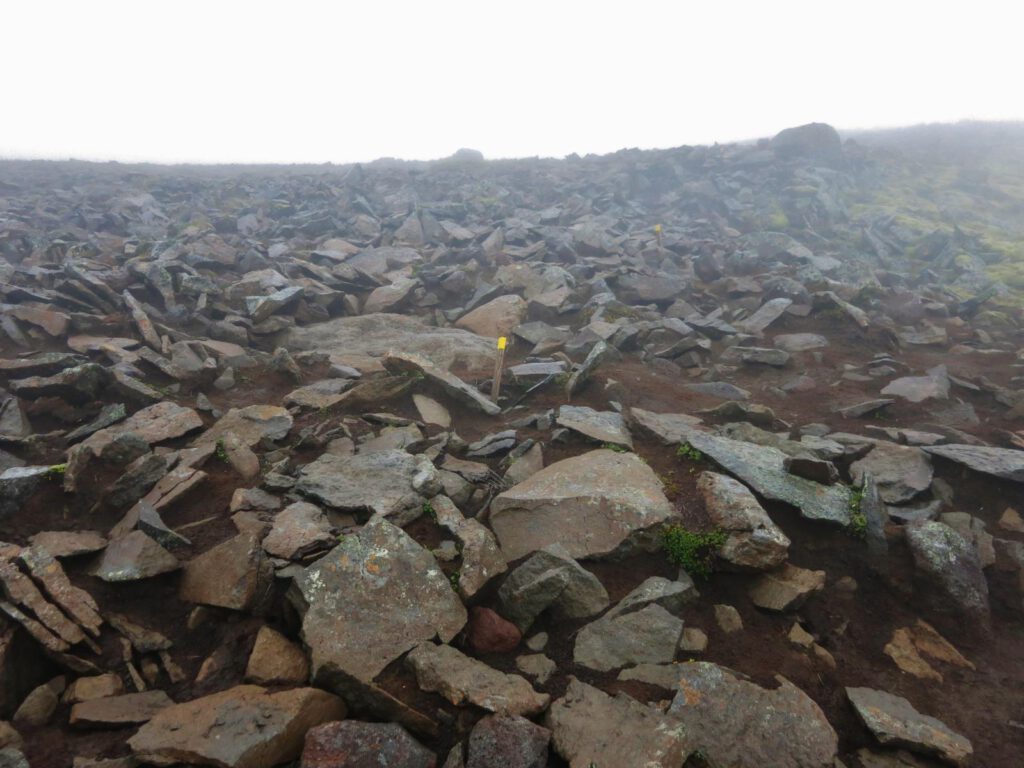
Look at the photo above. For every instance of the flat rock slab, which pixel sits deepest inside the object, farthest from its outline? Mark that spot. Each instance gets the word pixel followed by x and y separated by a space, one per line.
pixel 235 574
pixel 112 711
pixel 670 428
pixel 154 424
pixel 799 342
pixel 377 335
pixel 355 744
pixel 602 426
pixel 373 483
pixel 250 425
pixel 299 530
pixel 498 317
pixel 340 598
pixel 1004 463
pixel 590 728
pixel 68 543
pixel 463 680
pixel 647 636
pixel 132 557
pixel 786 589
pixel 765 315
pixel 242 727
pixel 508 741
pixel 595 505
pixel 895 722
pixel 737 723
pixel 763 469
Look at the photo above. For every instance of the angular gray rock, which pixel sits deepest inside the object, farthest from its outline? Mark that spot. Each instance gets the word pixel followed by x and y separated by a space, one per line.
pixel 551 579
pixel 481 557
pixel 951 564
pixel 657 590
pixel 463 680
pixel 602 426
pixel 508 741
pixel 896 723
pixel 901 472
pixel 132 557
pixel 737 723
pixel 299 529
pixel 408 362
pixel 369 483
pixel 590 728
pixel 1004 463
pixel 598 504
pixel 786 589
pixel 647 636
pixel 754 541
pixel 340 597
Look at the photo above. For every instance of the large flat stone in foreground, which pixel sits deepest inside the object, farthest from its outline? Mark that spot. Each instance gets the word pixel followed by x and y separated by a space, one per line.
pixel 372 598
pixel 1004 463
pixel 597 504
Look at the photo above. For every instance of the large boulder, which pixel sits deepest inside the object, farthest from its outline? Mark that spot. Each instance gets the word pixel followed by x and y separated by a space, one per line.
pixel 734 722
pixel 599 504
pixel 372 598
pixel 590 728
pixel 815 141
pixel 243 727
pixel 362 340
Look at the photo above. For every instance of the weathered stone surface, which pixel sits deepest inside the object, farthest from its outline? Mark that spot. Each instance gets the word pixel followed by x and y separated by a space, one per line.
pixel 373 483
pixel 463 680
pixel 590 728
pixel 340 598
pixel 388 298
pixel 68 543
pixel 93 687
pixel 352 744
pixel 536 666
pixel 38 707
pixel 647 636
pixel 431 411
pixel 482 559
pixel 126 709
pixel 755 355
pixel 250 425
pixel 799 342
pixel 581 375
pixel 75 602
pixel 452 385
pixel 917 389
pixel 602 426
pixel 765 315
pixel 1004 463
pixel 242 727
pixel 734 722
pixel 132 557
pixel 951 563
pixel 894 722
pixel 786 589
pixel 657 590
pixel 276 660
pixel 598 504
pixel 235 574
pixel 17 484
pixel 299 529
pixel 551 578
pixel 495 318
pixel 262 307
pixel 80 384
pixel 763 469
pixel 754 541
pixel 368 337
pixel 900 471
pixel 510 742
pixel 319 394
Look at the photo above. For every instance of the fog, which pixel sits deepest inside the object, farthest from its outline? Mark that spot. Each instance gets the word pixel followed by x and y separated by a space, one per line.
pixel 316 82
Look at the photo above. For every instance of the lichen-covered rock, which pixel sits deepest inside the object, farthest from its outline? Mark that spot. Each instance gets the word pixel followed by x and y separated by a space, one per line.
pixel 754 540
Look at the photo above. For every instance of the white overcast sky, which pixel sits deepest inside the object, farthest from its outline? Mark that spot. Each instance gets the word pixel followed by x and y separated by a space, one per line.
pixel 297 81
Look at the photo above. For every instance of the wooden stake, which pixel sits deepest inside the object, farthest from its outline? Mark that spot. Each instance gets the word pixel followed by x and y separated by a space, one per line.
pixel 499 367
pixel 657 232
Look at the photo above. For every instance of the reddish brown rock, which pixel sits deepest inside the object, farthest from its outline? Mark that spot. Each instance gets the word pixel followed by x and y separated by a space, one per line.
pixel 487 632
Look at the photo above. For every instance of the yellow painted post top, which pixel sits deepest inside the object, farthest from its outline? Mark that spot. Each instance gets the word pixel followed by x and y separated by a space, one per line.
pixel 502 341
pixel 657 227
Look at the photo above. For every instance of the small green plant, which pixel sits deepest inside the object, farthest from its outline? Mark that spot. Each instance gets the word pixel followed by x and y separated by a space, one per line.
pixel 56 471
pixel 668 480
pixel 687 451
pixel 858 521
pixel 453 579
pixel 222 452
pixel 428 509
pixel 615 447
pixel 693 551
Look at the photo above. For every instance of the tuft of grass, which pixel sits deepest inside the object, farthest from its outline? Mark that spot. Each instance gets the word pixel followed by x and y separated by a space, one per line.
pixel 428 509
pixel 693 551
pixel 221 453
pixel 453 579
pixel 687 451
pixel 858 522
pixel 615 447
pixel 56 471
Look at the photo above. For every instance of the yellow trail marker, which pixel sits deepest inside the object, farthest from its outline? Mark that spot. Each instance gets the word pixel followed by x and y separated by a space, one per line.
pixel 499 366
pixel 657 233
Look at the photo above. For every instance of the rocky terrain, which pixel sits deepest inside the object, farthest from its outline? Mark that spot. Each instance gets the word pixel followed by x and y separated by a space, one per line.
pixel 749 494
